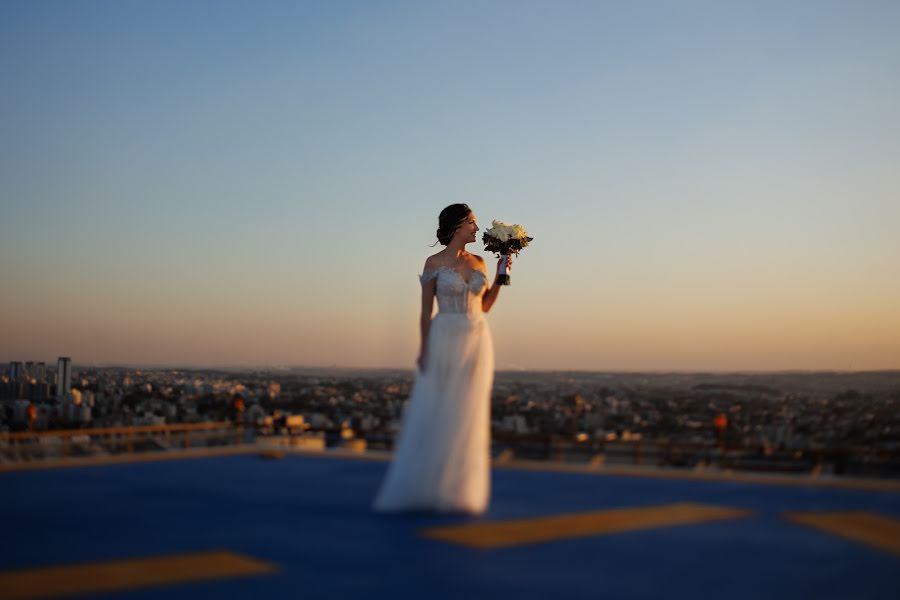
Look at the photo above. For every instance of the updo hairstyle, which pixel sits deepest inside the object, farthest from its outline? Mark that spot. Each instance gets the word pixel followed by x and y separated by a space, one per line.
pixel 451 219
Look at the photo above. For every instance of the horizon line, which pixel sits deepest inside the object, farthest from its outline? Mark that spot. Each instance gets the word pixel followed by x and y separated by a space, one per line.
pixel 335 367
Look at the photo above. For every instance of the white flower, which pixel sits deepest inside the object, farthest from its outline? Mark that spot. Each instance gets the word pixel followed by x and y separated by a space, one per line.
pixel 500 233
pixel 504 231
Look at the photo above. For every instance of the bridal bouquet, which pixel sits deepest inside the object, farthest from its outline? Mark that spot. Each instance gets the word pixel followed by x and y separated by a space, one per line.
pixel 505 239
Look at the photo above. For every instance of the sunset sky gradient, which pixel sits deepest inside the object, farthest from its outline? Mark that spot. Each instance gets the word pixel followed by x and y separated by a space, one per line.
pixel 710 185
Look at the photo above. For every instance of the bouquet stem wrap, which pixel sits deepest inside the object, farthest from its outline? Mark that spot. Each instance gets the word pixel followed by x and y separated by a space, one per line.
pixel 503 274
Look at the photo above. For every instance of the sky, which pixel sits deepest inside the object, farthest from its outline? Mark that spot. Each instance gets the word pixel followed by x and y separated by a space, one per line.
pixel 711 186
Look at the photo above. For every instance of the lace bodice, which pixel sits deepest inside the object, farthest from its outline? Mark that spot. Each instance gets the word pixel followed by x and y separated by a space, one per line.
pixel 454 293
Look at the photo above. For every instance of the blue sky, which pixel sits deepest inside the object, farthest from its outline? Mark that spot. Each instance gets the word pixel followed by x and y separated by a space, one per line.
pixel 710 185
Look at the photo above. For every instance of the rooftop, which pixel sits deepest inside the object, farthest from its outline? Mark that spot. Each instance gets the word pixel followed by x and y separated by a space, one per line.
pixel 235 522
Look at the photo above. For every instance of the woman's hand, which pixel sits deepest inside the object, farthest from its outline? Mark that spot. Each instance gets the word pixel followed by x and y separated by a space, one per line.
pixel 422 361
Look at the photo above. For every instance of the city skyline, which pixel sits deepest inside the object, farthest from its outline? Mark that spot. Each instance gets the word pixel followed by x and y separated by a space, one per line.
pixel 711 185
pixel 280 369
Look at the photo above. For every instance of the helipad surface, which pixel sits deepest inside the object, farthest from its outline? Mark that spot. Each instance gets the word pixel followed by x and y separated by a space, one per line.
pixel 244 526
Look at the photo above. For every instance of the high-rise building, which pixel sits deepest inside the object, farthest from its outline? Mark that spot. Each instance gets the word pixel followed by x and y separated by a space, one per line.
pixel 15 370
pixel 63 377
pixel 40 372
pixel 29 370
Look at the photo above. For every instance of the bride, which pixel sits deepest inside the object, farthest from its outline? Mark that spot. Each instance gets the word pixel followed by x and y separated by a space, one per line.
pixel 441 456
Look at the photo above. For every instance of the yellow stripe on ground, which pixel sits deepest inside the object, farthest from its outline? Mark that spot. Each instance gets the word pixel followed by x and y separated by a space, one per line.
pixel 501 534
pixel 126 574
pixel 858 526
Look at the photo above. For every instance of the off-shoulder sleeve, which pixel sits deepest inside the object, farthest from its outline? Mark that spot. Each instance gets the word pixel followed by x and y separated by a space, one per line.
pixel 427 276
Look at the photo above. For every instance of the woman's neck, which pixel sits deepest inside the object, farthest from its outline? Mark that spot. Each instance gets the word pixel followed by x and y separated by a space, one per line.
pixel 456 250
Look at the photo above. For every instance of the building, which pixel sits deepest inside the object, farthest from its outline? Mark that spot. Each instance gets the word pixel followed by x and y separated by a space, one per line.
pixel 63 377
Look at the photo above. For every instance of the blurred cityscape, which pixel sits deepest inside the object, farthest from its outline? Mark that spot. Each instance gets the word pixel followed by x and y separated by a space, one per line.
pixel 804 422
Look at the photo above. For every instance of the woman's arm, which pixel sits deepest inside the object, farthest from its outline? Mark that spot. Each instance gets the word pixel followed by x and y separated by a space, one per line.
pixel 490 296
pixel 428 291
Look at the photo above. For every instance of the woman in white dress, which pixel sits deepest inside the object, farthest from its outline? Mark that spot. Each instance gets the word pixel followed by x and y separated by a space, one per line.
pixel 441 459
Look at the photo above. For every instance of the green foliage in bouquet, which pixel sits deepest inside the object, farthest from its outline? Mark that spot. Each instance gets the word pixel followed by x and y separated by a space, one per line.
pixel 505 239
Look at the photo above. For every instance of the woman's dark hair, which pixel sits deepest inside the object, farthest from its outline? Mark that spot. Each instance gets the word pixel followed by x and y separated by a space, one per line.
pixel 450 219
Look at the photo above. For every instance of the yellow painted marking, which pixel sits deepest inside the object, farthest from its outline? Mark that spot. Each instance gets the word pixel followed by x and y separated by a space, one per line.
pixel 501 534
pixel 858 526
pixel 126 574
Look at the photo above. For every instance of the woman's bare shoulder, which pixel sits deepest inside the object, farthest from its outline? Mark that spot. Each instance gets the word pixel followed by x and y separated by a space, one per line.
pixel 434 260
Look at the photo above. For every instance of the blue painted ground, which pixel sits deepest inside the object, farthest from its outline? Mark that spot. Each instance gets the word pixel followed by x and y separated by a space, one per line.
pixel 312 517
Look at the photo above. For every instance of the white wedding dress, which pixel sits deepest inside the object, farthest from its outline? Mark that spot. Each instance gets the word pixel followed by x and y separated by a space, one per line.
pixel 441 459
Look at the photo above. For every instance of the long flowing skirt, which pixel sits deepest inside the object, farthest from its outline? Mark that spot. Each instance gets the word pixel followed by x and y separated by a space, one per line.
pixel 441 459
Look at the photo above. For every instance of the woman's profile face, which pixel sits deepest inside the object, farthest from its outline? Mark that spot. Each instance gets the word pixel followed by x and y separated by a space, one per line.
pixel 467 231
